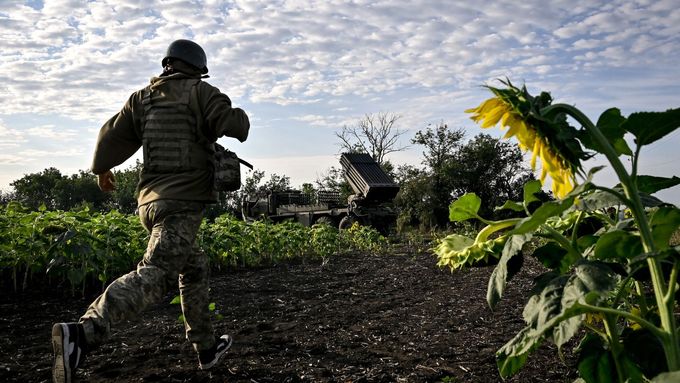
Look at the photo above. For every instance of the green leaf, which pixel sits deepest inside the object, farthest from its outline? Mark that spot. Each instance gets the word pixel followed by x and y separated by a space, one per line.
pixel 465 207
pixel 554 311
pixel 75 276
pixel 506 269
pixel 598 199
pixel 513 355
pixel 664 222
pixel 595 363
pixel 541 215
pixel 176 300
pixel 510 205
pixel 618 244
pixel 649 200
pixel 667 377
pixel 609 124
pixel 530 189
pixel 587 185
pixel 646 349
pixel 550 255
pixel 652 184
pixel 648 127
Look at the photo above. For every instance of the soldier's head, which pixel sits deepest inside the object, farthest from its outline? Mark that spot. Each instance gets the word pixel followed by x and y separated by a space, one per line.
pixel 186 52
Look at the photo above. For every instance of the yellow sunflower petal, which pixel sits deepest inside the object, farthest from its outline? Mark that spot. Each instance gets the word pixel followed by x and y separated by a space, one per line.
pixel 535 152
pixel 514 123
pixel 492 117
pixel 484 106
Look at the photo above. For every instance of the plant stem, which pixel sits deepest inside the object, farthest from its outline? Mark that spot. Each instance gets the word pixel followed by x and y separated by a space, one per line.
pixel 662 335
pixel 574 229
pixel 495 226
pixel 668 323
pixel 672 284
pixel 643 300
pixel 610 328
pixel 561 239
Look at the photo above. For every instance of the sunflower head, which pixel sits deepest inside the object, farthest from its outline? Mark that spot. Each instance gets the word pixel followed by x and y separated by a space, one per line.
pixel 549 138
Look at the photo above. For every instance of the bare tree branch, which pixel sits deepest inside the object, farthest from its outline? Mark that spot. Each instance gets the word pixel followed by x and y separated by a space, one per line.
pixel 375 134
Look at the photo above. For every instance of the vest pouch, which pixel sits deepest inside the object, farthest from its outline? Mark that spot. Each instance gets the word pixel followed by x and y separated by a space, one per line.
pixel 227 170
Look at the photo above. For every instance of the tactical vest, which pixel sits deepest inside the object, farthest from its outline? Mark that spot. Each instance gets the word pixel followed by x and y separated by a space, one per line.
pixel 170 137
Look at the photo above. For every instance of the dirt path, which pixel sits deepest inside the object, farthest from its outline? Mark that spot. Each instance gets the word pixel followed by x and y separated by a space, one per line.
pixel 395 318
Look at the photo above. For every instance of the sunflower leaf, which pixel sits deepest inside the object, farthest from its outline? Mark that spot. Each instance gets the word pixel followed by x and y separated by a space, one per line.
pixel 530 190
pixel 618 244
pixel 664 222
pixel 465 207
pixel 648 127
pixel 555 312
pixel 610 124
pixel 510 205
pixel 507 267
pixel 652 184
pixel 541 215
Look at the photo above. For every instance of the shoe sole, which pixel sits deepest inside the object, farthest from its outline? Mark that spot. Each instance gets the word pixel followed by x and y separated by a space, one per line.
pixel 218 356
pixel 61 371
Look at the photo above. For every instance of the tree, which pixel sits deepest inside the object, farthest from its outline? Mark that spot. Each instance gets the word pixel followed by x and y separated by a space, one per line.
pixel 414 200
pixel 36 189
pixel 79 190
pixel 485 166
pixel 375 134
pixel 490 168
pixel 334 180
pixel 124 197
pixel 441 146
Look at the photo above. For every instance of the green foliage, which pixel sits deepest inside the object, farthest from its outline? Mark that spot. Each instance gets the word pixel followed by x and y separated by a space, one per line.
pixel 485 166
pixel 77 246
pixel 85 248
pixel 612 263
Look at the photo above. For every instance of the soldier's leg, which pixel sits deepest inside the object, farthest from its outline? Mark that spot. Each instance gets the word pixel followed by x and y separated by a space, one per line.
pixel 193 287
pixel 172 232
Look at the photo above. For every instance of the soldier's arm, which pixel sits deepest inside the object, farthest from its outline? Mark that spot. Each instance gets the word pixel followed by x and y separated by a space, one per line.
pixel 118 139
pixel 221 118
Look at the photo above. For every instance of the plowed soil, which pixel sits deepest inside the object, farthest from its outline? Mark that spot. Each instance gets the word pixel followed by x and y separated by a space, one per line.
pixel 356 318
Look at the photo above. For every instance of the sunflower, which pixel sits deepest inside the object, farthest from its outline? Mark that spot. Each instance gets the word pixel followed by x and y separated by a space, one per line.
pixel 516 110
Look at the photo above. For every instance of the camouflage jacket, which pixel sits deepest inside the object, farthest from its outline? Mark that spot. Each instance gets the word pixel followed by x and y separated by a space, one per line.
pixel 121 136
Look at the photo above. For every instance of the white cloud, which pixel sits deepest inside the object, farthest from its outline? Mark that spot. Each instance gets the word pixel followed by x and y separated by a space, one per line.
pixel 52 132
pixel 10 138
pixel 325 63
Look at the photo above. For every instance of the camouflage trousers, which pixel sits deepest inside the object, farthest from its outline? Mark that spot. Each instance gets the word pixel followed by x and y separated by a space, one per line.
pixel 171 257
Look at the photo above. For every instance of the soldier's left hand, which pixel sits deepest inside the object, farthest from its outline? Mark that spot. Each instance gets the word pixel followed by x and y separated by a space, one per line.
pixel 106 181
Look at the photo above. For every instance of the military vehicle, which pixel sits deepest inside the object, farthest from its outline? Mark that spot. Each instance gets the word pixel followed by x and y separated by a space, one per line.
pixel 371 204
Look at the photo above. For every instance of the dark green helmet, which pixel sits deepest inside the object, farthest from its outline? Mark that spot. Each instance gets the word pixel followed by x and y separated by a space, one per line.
pixel 189 52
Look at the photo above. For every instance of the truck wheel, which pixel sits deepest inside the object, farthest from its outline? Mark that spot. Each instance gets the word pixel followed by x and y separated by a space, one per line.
pixel 324 220
pixel 346 222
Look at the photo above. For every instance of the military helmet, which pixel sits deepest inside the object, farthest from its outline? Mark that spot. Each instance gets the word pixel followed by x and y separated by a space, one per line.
pixel 187 51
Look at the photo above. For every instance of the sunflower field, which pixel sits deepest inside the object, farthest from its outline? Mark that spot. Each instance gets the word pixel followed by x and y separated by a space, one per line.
pixel 82 250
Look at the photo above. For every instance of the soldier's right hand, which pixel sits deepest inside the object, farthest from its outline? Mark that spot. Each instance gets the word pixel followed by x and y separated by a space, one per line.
pixel 106 181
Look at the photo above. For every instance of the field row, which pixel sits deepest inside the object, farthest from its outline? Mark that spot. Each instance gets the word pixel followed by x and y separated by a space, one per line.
pixel 84 248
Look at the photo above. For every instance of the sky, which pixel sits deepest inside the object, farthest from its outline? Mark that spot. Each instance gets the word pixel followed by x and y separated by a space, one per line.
pixel 304 69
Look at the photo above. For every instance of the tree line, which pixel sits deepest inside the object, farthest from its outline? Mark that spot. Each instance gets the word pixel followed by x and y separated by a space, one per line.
pixel 451 166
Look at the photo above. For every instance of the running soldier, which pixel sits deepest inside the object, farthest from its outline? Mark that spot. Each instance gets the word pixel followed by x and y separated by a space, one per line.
pixel 176 120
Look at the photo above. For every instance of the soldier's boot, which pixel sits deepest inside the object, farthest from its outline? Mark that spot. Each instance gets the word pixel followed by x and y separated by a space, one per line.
pixel 209 358
pixel 68 342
